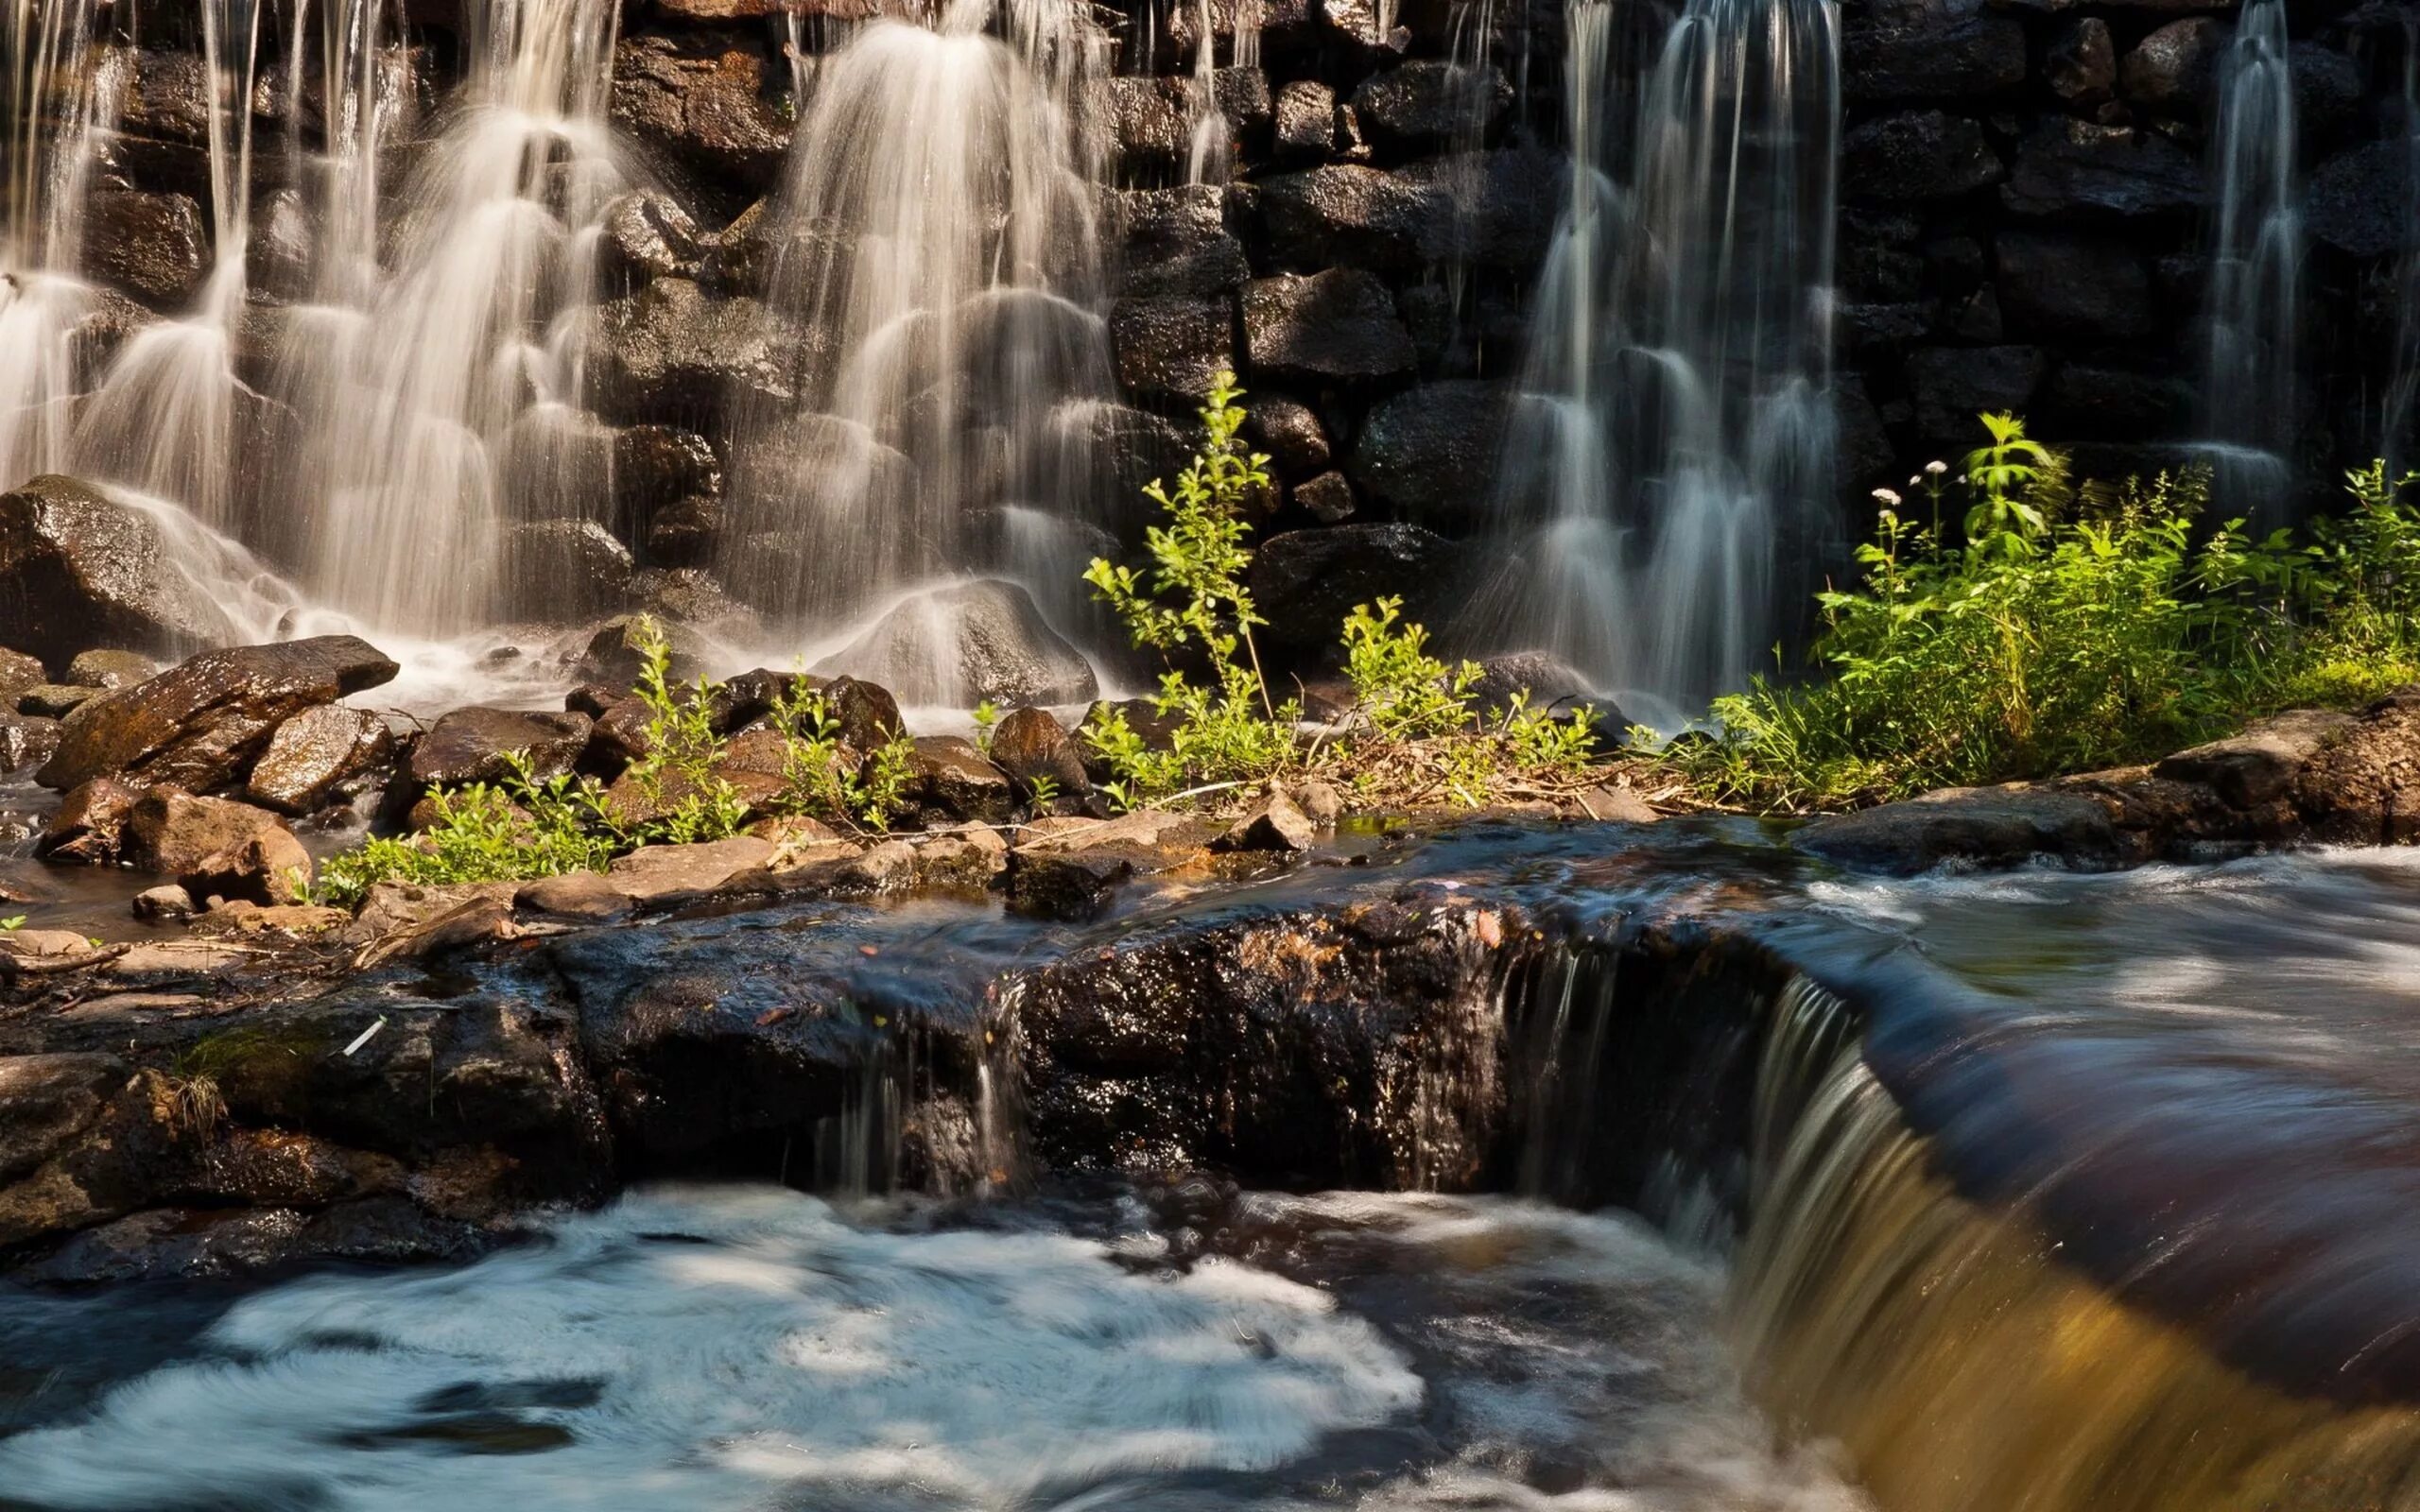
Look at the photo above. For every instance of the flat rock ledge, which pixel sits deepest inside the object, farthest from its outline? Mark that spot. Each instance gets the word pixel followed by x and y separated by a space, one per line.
pixel 2305 777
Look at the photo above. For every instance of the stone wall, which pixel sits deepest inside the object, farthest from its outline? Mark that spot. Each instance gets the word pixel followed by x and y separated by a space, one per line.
pixel 2022 193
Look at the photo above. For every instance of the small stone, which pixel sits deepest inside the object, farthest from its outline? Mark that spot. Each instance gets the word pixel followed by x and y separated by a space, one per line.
pixel 1615 805
pixel 1305 121
pixel 1031 745
pixel 472 746
pixel 167 901
pixel 1328 497
pixel 1320 802
pixel 1273 824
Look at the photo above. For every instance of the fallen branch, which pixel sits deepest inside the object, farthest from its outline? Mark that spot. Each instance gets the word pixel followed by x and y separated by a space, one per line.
pixel 60 965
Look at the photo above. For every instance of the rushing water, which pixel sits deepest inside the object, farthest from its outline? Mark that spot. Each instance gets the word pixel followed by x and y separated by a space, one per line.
pixel 2249 381
pixel 1674 442
pixel 754 1348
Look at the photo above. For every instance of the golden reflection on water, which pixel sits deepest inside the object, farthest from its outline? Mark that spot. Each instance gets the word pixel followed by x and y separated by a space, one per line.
pixel 1963 1369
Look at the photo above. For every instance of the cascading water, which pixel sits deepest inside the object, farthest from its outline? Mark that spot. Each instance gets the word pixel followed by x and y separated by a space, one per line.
pixel 1673 439
pixel 937 244
pixel 2248 384
pixel 2399 415
pixel 423 392
pixel 62 98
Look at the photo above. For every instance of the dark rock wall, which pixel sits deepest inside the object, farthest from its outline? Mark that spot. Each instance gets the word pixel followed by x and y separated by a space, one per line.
pixel 2022 197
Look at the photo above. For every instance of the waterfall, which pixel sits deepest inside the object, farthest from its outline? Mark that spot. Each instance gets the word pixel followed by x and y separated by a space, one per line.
pixel 2400 417
pixel 1673 442
pixel 61 99
pixel 936 239
pixel 419 391
pixel 2249 390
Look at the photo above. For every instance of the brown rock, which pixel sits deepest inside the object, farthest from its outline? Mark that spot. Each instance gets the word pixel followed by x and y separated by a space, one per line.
pixel 2254 769
pixel 90 824
pixel 18 673
pixel 109 670
pixel 947 772
pixel 78 567
pixel 1273 824
pixel 1031 745
pixel 198 724
pixel 314 752
pixel 215 847
pixel 473 744
pixel 662 870
pixel 46 1101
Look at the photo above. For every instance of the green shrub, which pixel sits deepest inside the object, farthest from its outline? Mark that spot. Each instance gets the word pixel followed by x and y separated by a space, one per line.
pixel 2071 629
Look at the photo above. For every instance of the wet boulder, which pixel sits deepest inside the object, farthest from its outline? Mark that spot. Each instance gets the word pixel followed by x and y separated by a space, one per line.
pixel 1434 451
pixel 25 739
pixel 1174 241
pixel 109 670
pixel 76 567
pixel 672 354
pixel 1977 826
pixel 1307 581
pixel 1349 214
pixel 565 569
pixel 155 246
pixel 89 826
pixel 1306 111
pixel 1930 51
pixel 646 236
pixel 947 774
pixel 1172 346
pixel 2354 200
pixel 476 745
pixel 199 723
pixel 618 649
pixel 19 673
pixel 2090 287
pixel 2081 63
pixel 312 755
pixel 2071 167
pixel 705 100
pixel 1916 155
pixel 214 847
pixel 1150 122
pixel 657 466
pixel 864 714
pixel 983 640
pixel 47 1102
pixel 1430 102
pixel 1032 747
pixel 1494 209
pixel 2174 70
pixel 1274 823
pixel 1336 326
pixel 1292 432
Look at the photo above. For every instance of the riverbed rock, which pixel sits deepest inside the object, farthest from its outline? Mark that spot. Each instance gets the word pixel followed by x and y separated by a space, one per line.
pixel 1273 823
pixel 647 235
pixel 25 740
pixel 1968 826
pixel 962 645
pixel 1336 326
pixel 214 847
pixel 2260 764
pixel 2081 63
pixel 1433 453
pixel 18 672
pixel 199 723
pixel 618 649
pixel 54 700
pixel 311 754
pixel 76 567
pixel 89 826
pixel 472 746
pixel 2360 783
pixel 46 1101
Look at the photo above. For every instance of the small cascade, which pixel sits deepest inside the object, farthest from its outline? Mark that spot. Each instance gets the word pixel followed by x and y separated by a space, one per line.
pixel 2250 321
pixel 417 390
pixel 935 238
pixel 2399 417
pixel 1674 445
pixel 1209 158
pixel 60 97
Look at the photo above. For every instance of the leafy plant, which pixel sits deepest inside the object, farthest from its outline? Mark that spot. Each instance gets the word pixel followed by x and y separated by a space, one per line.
pixel 511 831
pixel 987 721
pixel 681 797
pixel 1403 690
pixel 2072 630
